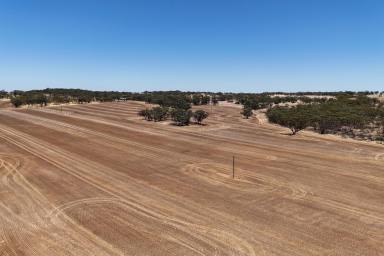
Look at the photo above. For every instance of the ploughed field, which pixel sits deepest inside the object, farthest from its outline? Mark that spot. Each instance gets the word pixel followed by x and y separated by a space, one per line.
pixel 96 179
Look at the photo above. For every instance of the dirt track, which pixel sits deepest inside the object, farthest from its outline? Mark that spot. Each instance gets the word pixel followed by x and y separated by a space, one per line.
pixel 97 180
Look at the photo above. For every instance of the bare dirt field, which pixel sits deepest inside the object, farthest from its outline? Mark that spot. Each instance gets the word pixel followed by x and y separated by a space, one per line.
pixel 97 180
pixel 5 103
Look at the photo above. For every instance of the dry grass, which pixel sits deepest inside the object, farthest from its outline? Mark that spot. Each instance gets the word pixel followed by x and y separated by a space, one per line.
pixel 5 103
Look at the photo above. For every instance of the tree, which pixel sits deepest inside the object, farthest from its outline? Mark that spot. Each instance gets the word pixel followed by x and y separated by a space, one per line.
pixel 295 118
pixel 296 122
pixel 3 94
pixel 16 101
pixel 380 120
pixel 148 98
pixel 159 113
pixel 147 114
pixel 196 99
pixel 41 99
pixel 205 100
pixel 181 117
pixel 181 104
pixel 200 115
pixel 84 99
pixel 247 112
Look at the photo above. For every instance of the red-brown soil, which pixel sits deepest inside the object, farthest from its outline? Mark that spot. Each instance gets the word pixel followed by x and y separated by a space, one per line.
pixel 98 180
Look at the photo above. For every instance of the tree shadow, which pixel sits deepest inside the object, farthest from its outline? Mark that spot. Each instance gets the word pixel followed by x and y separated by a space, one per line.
pixel 287 133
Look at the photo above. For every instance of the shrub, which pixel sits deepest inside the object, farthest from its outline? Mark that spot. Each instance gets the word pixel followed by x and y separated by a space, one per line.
pixel 247 112
pixel 159 113
pixel 16 101
pixel 200 115
pixel 147 114
pixel 181 117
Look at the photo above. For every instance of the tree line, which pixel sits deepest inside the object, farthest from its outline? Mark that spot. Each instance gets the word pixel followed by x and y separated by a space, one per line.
pixel 63 96
pixel 252 102
pixel 325 93
pixel 358 116
pixel 3 94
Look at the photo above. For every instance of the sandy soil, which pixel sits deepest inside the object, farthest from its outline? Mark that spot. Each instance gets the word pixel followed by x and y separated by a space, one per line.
pixel 97 180
pixel 5 103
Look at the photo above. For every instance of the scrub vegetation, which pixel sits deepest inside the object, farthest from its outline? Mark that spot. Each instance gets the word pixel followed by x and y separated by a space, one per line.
pixel 353 116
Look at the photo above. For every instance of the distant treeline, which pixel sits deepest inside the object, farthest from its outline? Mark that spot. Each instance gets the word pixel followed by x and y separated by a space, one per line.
pixel 258 101
pixel 165 98
pixel 325 93
pixel 3 94
pixel 264 100
pixel 62 96
pixel 352 115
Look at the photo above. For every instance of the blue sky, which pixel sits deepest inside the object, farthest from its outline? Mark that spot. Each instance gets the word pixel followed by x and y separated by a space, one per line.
pixel 206 45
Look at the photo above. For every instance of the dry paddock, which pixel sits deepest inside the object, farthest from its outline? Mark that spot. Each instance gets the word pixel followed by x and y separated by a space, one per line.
pixel 97 180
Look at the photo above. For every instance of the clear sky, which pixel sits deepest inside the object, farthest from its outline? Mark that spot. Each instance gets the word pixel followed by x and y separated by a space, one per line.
pixel 206 45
